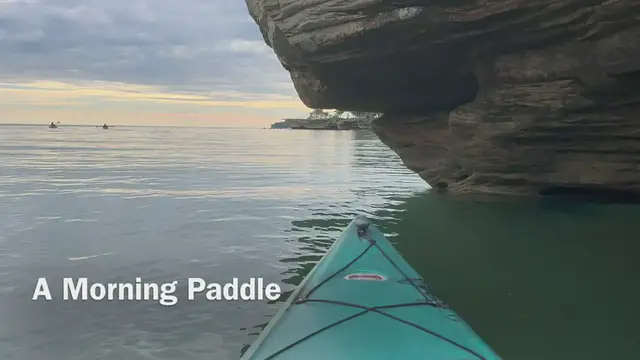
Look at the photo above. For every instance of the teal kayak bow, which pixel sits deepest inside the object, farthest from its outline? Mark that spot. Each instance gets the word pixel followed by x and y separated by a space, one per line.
pixel 363 301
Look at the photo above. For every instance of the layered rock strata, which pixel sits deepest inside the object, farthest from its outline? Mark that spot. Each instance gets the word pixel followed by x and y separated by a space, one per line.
pixel 506 97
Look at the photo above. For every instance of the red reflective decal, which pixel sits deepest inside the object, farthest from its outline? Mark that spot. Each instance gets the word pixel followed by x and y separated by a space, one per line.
pixel 365 276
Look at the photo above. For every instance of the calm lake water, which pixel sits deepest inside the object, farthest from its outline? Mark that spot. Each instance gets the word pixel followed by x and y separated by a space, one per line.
pixel 537 280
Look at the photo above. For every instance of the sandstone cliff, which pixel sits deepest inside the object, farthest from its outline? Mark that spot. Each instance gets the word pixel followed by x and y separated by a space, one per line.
pixel 511 96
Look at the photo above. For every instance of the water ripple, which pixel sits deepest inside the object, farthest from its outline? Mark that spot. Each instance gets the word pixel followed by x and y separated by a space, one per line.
pixel 166 204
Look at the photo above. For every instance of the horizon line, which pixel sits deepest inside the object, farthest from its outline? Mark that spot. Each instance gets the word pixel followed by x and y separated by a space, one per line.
pixel 135 125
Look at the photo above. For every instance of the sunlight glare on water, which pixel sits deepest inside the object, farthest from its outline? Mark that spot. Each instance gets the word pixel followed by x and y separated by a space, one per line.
pixel 167 204
pixel 536 279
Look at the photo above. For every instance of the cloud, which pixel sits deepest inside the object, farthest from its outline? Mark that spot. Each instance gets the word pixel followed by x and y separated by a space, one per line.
pixel 247 46
pixel 46 93
pixel 192 47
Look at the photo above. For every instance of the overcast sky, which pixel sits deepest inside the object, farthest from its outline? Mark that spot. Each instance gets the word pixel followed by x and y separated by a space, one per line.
pixel 139 61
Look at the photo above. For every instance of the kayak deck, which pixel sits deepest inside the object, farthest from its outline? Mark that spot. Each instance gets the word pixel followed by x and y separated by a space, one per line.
pixel 363 301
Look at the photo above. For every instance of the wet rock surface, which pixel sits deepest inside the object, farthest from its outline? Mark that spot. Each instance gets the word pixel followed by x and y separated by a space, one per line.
pixel 501 97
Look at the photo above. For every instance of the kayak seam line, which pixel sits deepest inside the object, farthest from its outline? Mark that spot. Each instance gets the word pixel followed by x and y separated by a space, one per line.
pixel 391 306
pixel 362 233
pixel 315 333
pixel 376 309
pixel 365 234
pixel 431 332
pixel 406 277
pixel 313 289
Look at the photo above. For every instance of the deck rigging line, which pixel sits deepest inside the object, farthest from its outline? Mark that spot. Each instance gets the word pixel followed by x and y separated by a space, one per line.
pixel 362 233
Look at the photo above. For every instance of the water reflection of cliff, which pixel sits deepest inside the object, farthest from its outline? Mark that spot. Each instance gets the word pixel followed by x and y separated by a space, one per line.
pixel 522 273
pixel 366 178
pixel 519 273
pixel 374 165
pixel 367 152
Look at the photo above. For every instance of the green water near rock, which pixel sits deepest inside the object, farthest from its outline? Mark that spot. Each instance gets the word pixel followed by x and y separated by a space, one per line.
pixel 537 280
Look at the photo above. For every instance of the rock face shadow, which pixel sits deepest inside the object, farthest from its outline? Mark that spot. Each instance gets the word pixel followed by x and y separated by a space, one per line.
pixel 518 98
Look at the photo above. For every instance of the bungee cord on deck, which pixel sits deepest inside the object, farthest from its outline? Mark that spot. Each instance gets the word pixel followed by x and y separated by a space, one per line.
pixel 363 234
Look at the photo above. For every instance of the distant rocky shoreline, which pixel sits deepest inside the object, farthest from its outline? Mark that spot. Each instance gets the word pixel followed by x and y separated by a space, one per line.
pixel 499 97
pixel 322 120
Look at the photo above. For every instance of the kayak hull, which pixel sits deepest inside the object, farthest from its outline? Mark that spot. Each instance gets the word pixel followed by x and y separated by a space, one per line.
pixel 363 301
